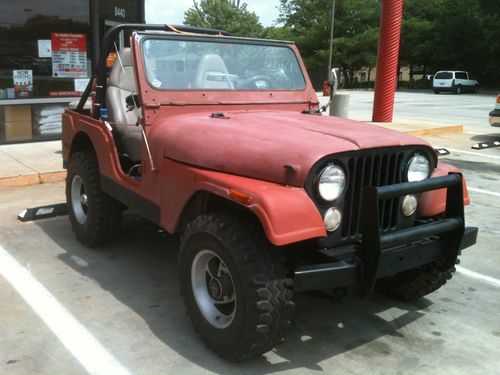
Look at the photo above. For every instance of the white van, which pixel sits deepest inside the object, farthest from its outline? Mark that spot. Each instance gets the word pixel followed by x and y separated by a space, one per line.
pixel 454 81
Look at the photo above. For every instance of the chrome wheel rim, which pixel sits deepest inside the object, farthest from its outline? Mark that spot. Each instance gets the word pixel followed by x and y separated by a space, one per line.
pixel 213 289
pixel 79 199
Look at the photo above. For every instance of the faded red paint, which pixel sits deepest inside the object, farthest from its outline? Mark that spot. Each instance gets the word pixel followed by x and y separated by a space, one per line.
pixel 432 203
pixel 259 143
pixel 286 213
pixel 193 152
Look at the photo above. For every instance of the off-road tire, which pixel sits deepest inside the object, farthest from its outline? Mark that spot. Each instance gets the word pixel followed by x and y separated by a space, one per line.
pixel 104 213
pixel 264 303
pixel 415 283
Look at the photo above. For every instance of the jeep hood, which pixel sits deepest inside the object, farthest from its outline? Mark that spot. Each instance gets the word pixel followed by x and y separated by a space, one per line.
pixel 260 144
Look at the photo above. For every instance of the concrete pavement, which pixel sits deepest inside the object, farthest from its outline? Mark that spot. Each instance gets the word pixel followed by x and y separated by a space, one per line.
pixel 469 110
pixel 31 163
pixel 126 296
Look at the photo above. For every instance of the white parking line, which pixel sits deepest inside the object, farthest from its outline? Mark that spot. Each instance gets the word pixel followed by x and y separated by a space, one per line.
pixel 473 153
pixel 475 275
pixel 483 191
pixel 73 335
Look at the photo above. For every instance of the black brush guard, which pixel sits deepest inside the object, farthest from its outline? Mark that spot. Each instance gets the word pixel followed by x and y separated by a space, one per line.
pixel 385 254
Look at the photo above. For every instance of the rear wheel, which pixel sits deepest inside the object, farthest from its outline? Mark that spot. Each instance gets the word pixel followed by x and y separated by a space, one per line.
pixel 436 92
pixel 415 283
pixel 94 215
pixel 458 90
pixel 234 286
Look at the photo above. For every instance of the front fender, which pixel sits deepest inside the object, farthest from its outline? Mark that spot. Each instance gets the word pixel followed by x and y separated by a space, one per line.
pixel 433 203
pixel 287 214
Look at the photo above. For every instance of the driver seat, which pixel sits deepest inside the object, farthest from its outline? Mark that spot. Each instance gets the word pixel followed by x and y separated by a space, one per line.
pixel 211 64
pixel 121 85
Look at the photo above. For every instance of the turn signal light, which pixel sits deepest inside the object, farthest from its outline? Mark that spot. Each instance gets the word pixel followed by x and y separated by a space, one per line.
pixel 238 196
pixel 498 98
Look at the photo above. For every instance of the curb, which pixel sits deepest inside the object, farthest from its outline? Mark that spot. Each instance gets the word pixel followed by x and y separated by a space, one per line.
pixel 33 179
pixel 453 129
pixel 416 131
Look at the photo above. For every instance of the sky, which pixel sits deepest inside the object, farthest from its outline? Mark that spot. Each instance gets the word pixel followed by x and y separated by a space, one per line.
pixel 172 11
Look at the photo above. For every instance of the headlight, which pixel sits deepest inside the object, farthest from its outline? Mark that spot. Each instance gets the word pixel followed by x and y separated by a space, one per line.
pixel 331 183
pixel 418 168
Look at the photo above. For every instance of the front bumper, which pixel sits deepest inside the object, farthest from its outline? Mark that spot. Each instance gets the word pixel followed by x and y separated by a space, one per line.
pixel 495 117
pixel 384 254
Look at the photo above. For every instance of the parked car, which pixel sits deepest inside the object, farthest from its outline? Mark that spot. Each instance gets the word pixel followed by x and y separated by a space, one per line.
pixel 454 81
pixel 230 149
pixel 495 114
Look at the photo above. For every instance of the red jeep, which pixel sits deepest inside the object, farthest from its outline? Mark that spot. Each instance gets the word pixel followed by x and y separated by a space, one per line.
pixel 221 139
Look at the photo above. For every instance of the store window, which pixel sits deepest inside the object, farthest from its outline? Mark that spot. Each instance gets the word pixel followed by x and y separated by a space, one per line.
pixel 28 66
pixel 44 62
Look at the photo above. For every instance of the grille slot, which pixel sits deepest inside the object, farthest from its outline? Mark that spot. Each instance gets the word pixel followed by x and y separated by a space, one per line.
pixel 371 170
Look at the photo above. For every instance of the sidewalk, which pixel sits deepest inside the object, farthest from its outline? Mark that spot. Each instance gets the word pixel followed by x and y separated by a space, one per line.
pixel 41 162
pixel 31 163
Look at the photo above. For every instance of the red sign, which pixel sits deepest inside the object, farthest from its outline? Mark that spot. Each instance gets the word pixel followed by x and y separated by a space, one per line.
pixel 69 55
pixel 64 93
pixel 67 42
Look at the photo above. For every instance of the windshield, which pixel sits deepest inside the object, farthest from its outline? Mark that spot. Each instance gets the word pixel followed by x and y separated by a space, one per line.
pixel 200 65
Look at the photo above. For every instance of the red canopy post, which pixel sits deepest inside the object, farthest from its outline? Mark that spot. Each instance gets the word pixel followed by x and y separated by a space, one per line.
pixel 388 55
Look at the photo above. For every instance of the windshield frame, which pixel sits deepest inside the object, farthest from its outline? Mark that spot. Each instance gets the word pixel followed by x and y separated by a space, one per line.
pixel 222 39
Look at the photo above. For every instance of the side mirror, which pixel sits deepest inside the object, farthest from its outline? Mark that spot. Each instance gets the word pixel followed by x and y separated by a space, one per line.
pixel 333 82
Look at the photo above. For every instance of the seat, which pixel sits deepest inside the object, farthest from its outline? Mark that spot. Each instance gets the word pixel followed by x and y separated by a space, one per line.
pixel 121 85
pixel 211 64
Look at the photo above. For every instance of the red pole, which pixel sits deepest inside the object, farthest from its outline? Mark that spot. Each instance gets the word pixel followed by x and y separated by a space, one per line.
pixel 388 55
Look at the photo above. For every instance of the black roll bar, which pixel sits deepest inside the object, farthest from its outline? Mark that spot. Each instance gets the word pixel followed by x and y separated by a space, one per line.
pixel 107 43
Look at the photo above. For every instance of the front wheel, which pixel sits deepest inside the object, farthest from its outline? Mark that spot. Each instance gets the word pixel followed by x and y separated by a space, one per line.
pixel 234 286
pixel 458 90
pixel 436 92
pixel 94 215
pixel 415 283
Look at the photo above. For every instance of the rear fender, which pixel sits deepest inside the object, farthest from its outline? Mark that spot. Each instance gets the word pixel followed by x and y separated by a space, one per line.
pixel 76 125
pixel 287 214
pixel 433 203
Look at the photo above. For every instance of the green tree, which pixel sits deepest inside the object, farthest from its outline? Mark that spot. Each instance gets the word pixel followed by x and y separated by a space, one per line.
pixel 355 34
pixel 453 34
pixel 490 41
pixel 230 15
pixel 418 31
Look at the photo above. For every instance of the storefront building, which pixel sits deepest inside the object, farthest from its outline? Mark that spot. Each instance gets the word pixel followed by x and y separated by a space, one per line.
pixel 47 53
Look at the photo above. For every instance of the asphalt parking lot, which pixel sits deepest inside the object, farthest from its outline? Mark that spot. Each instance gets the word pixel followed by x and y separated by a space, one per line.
pixel 469 110
pixel 117 309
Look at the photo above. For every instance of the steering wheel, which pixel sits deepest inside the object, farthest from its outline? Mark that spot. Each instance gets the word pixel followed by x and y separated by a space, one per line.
pixel 258 82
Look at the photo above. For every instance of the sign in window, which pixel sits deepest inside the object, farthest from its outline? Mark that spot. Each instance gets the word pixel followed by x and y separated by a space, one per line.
pixel 69 55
